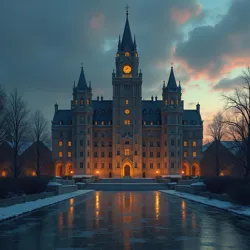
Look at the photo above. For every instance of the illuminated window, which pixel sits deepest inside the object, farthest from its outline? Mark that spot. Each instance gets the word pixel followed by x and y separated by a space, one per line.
pixel 126 101
pixel 117 54
pixel 136 54
pixel 127 122
pixel 81 102
pixel 185 143
pixel 60 143
pixel 127 111
pixel 102 122
pixel 185 154
pixel 127 54
pixel 126 151
pixel 69 154
pixel 151 123
pixel 87 101
pixel 177 102
pixel 144 122
pixel 96 123
pixel 172 102
pixel 33 173
pixel 166 102
pixel 3 174
pixel 194 154
pixel 76 102
pixel 194 143
pixel 60 154
pixel 69 143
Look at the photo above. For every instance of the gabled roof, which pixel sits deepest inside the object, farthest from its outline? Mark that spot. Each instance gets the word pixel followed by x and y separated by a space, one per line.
pixel 232 146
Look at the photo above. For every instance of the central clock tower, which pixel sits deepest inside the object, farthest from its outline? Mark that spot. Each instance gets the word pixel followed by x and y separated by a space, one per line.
pixel 127 107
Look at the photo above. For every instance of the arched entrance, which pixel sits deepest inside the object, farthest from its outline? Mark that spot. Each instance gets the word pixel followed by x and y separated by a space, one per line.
pixel 143 175
pixel 110 175
pixel 59 169
pixel 127 170
pixel 185 169
pixel 195 170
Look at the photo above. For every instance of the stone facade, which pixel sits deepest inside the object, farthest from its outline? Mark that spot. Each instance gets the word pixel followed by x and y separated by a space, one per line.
pixel 127 136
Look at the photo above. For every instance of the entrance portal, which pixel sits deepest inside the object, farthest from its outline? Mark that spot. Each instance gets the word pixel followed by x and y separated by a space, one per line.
pixel 126 170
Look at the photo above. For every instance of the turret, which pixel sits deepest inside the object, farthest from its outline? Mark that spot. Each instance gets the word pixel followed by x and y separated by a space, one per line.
pixel 56 107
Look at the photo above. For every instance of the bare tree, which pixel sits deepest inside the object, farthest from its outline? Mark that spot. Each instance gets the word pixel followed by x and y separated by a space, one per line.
pixel 17 120
pixel 2 115
pixel 238 104
pixel 217 130
pixel 39 133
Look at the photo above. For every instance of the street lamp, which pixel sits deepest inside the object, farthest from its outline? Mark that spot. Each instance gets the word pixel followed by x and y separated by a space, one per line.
pixel 97 172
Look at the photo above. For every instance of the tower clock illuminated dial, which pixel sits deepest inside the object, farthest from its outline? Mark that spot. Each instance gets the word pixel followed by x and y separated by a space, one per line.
pixel 127 69
pixel 127 111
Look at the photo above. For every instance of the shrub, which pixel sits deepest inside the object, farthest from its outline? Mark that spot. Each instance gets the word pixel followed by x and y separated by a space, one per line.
pixel 240 194
pixel 67 177
pixel 34 184
pixel 222 184
pixel 8 185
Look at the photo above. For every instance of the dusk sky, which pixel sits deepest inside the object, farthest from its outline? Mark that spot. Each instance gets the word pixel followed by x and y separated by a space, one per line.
pixel 43 44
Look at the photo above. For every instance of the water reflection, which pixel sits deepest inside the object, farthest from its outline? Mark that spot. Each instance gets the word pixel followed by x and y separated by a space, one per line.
pixel 126 220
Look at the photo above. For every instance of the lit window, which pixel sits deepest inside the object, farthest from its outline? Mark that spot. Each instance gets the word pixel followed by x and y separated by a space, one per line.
pixel 166 102
pixel 194 143
pixel 102 122
pixel 87 101
pixel 81 101
pixel 60 154
pixel 126 101
pixel 127 54
pixel 177 101
pixel 136 54
pixel 185 154
pixel 127 122
pixel 194 154
pixel 76 102
pixel 60 143
pixel 117 54
pixel 185 143
pixel 151 123
pixel 33 173
pixel 126 151
pixel 144 122
pixel 69 143
pixel 172 102
pixel 3 174
pixel 96 123
pixel 69 154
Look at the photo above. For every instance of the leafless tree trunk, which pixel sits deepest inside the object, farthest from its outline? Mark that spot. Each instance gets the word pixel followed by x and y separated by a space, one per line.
pixel 17 120
pixel 238 104
pixel 2 115
pixel 217 130
pixel 39 133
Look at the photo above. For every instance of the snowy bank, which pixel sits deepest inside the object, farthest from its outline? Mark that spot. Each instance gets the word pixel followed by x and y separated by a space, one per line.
pixel 19 209
pixel 231 207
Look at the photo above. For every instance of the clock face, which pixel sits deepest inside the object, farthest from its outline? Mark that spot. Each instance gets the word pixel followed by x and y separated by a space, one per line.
pixel 127 69
pixel 127 111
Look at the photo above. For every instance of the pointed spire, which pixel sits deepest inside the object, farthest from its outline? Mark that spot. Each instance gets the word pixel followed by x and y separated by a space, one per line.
pixel 179 85
pixel 127 37
pixel 171 81
pixel 82 84
pixel 164 85
pixel 135 43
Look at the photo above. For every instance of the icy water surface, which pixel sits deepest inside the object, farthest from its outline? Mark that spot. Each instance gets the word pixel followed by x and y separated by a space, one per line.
pixel 129 221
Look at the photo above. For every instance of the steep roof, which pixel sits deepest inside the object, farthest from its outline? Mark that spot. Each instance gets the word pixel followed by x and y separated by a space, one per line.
pixel 232 146
pixel 127 40
pixel 82 83
pixel 191 117
pixel 171 81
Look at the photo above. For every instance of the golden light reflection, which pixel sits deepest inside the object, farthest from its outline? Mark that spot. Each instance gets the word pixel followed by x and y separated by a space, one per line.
pixel 71 201
pixel 60 221
pixel 157 205
pixel 97 208
pixel 183 212
pixel 70 217
pixel 194 224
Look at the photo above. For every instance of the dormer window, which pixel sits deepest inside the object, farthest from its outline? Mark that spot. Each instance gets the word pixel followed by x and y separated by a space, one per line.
pixel 87 101
pixel 96 123
pixel 166 102
pixel 102 122
pixel 127 54
pixel 126 101
pixel 172 102
pixel 76 102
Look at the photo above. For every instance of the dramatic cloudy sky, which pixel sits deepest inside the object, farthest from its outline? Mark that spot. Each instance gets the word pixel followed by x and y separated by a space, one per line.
pixel 43 43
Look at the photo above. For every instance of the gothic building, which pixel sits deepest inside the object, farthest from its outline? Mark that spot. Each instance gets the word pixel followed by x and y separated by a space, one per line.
pixel 127 136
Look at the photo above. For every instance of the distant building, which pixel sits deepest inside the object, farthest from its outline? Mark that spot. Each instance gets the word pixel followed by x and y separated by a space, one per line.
pixel 6 152
pixel 229 161
pixel 127 136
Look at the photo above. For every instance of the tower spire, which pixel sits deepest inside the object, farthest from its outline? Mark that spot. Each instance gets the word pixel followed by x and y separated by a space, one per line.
pixel 82 83
pixel 171 81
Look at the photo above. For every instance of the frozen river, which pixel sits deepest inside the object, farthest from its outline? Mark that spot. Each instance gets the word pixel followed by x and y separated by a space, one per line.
pixel 126 220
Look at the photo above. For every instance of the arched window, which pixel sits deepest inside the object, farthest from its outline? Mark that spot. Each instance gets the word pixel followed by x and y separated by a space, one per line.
pixel 127 54
pixel 87 101
pixel 81 102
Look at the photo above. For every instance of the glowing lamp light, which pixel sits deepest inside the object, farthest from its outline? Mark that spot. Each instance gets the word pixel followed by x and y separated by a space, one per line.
pixel 72 172
pixel 97 172
pixel 182 172
pixel 157 171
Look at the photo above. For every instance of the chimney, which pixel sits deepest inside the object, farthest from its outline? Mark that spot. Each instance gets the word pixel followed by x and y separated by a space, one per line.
pixel 56 107
pixel 97 98
pixel 101 98
pixel 152 98
pixel 198 107
pixel 156 98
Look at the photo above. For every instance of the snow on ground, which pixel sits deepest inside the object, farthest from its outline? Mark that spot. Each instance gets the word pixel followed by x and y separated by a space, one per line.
pixel 18 209
pixel 198 184
pixel 231 207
